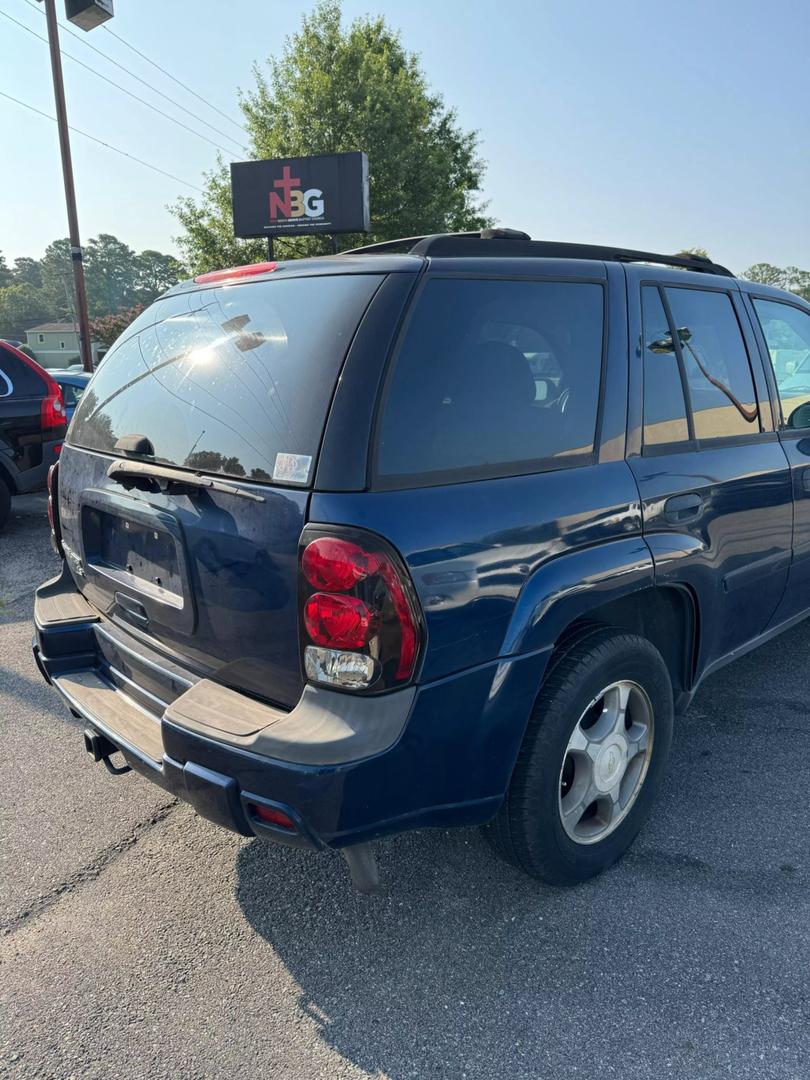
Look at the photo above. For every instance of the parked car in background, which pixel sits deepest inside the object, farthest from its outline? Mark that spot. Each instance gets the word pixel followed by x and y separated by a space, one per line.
pixel 438 532
pixel 33 422
pixel 72 384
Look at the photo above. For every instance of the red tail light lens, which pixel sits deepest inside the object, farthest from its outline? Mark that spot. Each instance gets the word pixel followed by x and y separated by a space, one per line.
pixel 52 410
pixel 341 622
pixel 335 565
pixel 358 610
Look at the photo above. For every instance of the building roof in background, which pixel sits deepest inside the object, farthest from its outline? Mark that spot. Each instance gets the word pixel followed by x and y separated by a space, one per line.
pixel 53 328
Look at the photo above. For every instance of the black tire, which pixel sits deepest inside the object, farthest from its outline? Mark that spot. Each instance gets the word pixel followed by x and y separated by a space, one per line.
pixel 5 502
pixel 528 830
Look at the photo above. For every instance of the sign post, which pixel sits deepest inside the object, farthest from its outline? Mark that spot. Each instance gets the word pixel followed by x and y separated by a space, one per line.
pixel 323 193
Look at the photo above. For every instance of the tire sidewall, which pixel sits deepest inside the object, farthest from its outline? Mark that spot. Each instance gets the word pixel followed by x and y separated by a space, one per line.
pixel 623 657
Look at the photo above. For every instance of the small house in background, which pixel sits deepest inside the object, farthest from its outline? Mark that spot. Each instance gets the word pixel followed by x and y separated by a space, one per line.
pixel 56 345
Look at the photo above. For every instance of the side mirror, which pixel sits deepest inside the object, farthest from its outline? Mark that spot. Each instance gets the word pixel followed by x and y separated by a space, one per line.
pixel 800 417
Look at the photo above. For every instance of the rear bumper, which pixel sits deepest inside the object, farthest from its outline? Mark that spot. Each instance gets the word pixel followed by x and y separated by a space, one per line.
pixel 36 479
pixel 344 769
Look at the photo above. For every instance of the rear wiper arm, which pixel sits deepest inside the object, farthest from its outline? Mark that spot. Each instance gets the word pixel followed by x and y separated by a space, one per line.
pixel 128 473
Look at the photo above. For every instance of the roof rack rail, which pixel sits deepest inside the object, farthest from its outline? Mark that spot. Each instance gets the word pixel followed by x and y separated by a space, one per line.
pixel 511 242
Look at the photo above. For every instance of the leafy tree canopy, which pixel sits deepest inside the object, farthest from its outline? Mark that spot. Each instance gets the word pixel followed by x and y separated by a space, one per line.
pixel 788 277
pixel 335 89
pixel 118 280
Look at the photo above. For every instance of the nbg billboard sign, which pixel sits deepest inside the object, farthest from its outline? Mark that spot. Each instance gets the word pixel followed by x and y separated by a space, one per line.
pixel 325 193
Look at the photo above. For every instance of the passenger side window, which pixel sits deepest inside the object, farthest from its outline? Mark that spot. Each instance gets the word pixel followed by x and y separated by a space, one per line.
pixel 493 376
pixel 718 373
pixel 664 406
pixel 787 335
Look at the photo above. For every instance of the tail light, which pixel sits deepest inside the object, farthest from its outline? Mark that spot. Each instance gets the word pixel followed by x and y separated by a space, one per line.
pixel 53 509
pixel 360 621
pixel 52 410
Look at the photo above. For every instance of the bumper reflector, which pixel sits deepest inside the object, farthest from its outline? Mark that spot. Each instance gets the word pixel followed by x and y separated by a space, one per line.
pixel 271 816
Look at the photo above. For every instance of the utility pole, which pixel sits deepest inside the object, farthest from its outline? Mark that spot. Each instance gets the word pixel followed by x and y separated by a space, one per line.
pixel 70 191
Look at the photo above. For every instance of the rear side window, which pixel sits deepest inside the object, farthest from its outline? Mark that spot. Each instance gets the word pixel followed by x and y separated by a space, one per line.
pixel 715 361
pixel 234 380
pixel 493 376
pixel 787 334
pixel 664 405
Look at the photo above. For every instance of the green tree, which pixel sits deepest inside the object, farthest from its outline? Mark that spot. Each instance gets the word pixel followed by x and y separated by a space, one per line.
pixel 766 274
pixel 695 251
pixel 28 271
pixel 334 89
pixel 57 281
pixel 109 267
pixel 154 273
pixel 5 274
pixel 788 277
pixel 21 307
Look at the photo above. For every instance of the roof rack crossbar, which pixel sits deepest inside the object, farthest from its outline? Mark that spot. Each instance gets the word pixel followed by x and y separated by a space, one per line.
pixel 501 244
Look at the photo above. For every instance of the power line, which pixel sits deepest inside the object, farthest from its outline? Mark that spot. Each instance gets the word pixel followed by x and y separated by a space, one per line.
pixel 118 86
pixel 132 75
pixel 101 142
pixel 169 75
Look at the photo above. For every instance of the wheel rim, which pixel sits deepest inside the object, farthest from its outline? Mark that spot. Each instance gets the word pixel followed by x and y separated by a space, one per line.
pixel 605 762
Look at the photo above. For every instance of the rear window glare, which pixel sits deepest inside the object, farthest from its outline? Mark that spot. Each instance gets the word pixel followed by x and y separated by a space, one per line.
pixel 236 380
pixel 493 377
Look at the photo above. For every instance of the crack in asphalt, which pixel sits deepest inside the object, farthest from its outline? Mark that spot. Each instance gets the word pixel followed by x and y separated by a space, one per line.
pixel 90 872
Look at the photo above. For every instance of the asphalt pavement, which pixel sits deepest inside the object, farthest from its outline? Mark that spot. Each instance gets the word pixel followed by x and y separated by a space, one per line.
pixel 140 941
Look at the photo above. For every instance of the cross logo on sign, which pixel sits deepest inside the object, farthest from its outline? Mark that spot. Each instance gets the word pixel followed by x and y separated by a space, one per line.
pixel 294 202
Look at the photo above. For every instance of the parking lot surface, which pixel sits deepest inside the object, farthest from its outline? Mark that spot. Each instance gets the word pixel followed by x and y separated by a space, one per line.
pixel 141 941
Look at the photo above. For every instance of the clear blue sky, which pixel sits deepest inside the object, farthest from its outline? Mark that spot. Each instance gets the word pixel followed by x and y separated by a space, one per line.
pixel 635 122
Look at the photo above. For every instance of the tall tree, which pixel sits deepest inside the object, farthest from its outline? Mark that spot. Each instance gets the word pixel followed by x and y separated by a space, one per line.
pixel 21 307
pixel 788 277
pixel 334 89
pixel 57 281
pixel 28 270
pixel 110 272
pixel 5 274
pixel 154 273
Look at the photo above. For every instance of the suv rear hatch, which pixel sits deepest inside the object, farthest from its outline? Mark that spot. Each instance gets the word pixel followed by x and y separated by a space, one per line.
pixel 183 486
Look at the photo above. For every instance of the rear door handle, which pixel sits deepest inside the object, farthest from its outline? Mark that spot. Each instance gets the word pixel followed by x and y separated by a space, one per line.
pixel 681 508
pixel 806 481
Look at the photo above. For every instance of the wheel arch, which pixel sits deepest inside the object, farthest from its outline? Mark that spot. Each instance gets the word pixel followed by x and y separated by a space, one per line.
pixel 666 615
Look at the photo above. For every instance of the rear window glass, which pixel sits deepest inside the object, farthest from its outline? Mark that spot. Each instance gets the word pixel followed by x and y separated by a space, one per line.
pixel 19 378
pixel 494 375
pixel 235 380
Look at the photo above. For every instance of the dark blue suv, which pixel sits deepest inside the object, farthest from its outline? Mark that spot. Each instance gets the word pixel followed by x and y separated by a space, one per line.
pixel 437 532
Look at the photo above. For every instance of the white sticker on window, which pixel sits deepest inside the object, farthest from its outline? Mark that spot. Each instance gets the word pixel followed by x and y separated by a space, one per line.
pixel 293 468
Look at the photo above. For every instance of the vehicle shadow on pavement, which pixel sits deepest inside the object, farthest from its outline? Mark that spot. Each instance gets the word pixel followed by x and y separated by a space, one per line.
pixel 464 967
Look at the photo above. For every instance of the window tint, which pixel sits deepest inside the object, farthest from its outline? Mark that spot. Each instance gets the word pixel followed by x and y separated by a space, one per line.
pixel 493 373
pixel 715 359
pixel 20 378
pixel 71 393
pixel 787 333
pixel 231 377
pixel 664 407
